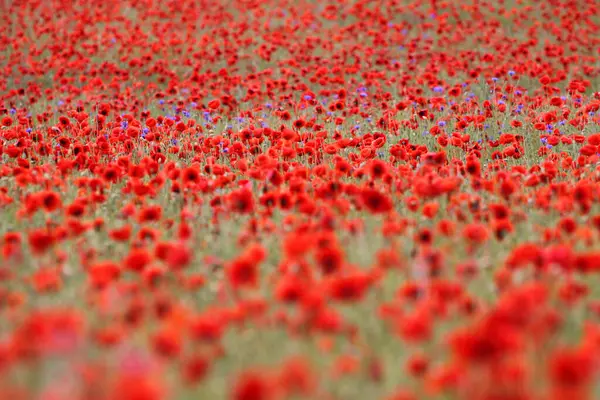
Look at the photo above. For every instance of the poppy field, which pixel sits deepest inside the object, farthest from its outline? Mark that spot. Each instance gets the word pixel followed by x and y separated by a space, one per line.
pixel 280 199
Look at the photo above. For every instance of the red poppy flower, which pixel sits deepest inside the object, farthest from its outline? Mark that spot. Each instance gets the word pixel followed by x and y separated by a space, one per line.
pixel 149 214
pixel 50 200
pixel 242 201
pixel 375 201
pixel 571 368
pixel 253 385
pixel 167 342
pixel 121 234
pixel 475 233
pixel 103 273
pixel 330 259
pixel 190 175
pixel 7 121
pixel 214 104
pixel 195 369
pixel 243 272
pixel 208 327
pixel 40 240
pixel 138 259
pixel 349 288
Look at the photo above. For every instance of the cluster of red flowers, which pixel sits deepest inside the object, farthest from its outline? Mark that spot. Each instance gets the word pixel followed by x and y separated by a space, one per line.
pixel 260 200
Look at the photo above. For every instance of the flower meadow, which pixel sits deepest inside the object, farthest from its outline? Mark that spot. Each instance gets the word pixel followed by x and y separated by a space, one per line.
pixel 281 199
